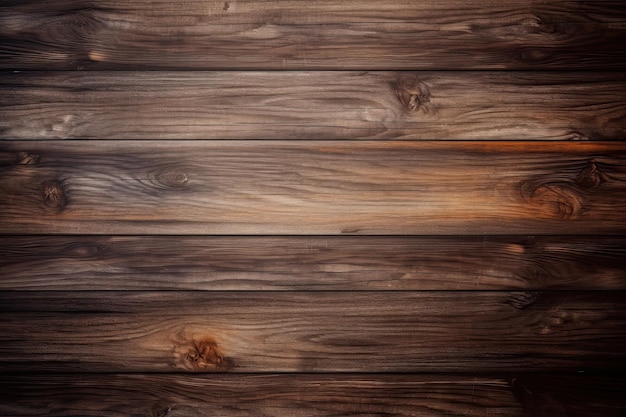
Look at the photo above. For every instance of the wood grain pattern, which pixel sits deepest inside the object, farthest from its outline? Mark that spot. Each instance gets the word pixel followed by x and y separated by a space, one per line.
pixel 313 105
pixel 258 395
pixel 325 34
pixel 313 395
pixel 309 263
pixel 311 331
pixel 175 242
pixel 230 187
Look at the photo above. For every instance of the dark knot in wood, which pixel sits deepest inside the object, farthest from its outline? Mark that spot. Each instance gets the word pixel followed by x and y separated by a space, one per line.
pixel 53 195
pixel 202 355
pixel 557 198
pixel 563 195
pixel 590 176
pixel 413 93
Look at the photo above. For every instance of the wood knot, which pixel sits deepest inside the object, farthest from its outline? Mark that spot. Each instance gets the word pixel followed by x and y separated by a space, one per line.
pixel 170 180
pixel 563 193
pixel 556 198
pixel 413 93
pixel 53 195
pixel 202 355
pixel 590 176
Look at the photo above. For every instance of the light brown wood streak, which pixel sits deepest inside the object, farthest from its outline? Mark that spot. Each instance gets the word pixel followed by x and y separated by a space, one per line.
pixel 325 34
pixel 311 263
pixel 313 105
pixel 230 187
pixel 311 331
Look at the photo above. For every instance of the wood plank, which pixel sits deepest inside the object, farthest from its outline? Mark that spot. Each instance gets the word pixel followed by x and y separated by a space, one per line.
pixel 311 263
pixel 265 187
pixel 311 331
pixel 259 395
pixel 315 395
pixel 313 105
pixel 325 34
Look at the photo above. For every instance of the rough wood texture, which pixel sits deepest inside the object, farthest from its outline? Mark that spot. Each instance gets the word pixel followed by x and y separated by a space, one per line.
pixel 311 263
pixel 258 395
pixel 174 243
pixel 308 395
pixel 313 105
pixel 230 187
pixel 311 331
pixel 325 34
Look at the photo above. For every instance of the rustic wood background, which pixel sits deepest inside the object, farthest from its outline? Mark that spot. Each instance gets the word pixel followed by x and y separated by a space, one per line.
pixel 313 208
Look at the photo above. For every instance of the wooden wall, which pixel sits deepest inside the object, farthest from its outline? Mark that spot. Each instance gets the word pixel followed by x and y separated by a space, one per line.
pixel 312 208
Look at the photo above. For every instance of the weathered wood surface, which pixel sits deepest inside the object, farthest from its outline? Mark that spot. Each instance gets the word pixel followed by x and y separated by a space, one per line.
pixel 449 395
pixel 311 263
pixel 325 34
pixel 312 395
pixel 256 395
pixel 312 331
pixel 264 187
pixel 313 105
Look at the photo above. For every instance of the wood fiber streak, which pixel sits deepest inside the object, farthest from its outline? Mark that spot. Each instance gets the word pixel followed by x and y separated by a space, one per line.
pixel 325 34
pixel 313 105
pixel 311 263
pixel 229 187
pixel 311 331
pixel 258 395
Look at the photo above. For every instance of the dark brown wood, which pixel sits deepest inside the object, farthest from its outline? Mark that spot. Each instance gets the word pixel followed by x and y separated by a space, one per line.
pixel 263 187
pixel 325 34
pixel 173 243
pixel 313 105
pixel 314 395
pixel 311 263
pixel 311 331
pixel 258 395
pixel 546 395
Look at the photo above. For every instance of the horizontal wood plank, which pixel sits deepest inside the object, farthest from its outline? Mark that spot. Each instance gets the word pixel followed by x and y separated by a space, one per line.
pixel 259 187
pixel 312 395
pixel 257 395
pixel 311 263
pixel 313 105
pixel 325 34
pixel 311 331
